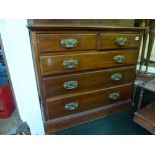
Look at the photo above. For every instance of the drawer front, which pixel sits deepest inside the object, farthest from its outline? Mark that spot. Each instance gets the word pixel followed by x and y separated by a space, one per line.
pixel 66 42
pixel 85 101
pixel 85 61
pixel 80 82
pixel 115 41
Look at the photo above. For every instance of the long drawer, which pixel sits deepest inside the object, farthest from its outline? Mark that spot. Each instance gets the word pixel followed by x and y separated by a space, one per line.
pixel 120 40
pixel 66 42
pixel 79 82
pixel 71 104
pixel 84 61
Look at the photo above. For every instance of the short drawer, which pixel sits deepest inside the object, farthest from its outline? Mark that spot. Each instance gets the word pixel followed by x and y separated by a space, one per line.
pixel 58 107
pixel 84 61
pixel 66 42
pixel 117 41
pixel 80 82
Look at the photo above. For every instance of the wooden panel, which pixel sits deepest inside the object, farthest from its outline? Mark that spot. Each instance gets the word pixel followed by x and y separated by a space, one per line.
pixel 58 124
pixel 145 117
pixel 53 86
pixel 52 42
pixel 86 61
pixel 87 100
pixel 82 22
pixel 108 40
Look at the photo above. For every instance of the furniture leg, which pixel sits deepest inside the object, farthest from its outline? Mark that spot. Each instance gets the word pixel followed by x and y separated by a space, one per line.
pixel 140 98
pixel 143 48
pixel 150 46
pixel 133 97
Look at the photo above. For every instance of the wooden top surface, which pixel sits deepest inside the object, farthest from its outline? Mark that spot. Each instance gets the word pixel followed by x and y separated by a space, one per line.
pixel 93 24
pixel 148 113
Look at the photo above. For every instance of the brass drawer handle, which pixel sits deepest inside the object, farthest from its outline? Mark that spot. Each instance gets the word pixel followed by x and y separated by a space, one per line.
pixel 119 58
pixel 116 76
pixel 72 106
pixel 70 84
pixel 114 96
pixel 121 41
pixel 70 63
pixel 69 43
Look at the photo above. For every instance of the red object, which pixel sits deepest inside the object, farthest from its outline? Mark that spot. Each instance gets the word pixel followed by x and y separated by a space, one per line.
pixel 7 103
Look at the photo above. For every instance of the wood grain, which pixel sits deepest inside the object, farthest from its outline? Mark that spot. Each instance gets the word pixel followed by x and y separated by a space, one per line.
pixel 53 86
pixel 58 124
pixel 83 22
pixel 94 52
pixel 87 100
pixel 145 117
pixel 108 41
pixel 52 42
pixel 89 60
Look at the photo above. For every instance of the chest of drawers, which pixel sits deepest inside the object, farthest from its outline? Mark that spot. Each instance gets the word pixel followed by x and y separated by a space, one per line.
pixel 84 72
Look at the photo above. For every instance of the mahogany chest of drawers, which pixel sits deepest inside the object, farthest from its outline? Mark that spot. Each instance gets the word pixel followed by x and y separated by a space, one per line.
pixel 84 71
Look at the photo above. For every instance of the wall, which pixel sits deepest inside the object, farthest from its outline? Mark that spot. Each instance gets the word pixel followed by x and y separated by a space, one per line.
pixel 18 54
